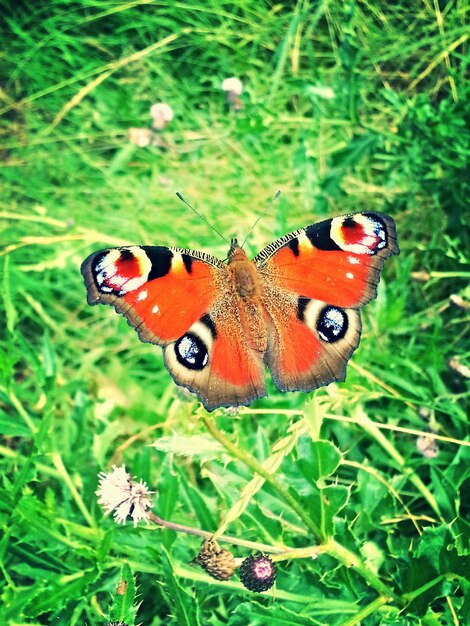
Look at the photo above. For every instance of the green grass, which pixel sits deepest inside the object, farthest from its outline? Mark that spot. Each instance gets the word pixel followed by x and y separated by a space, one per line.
pixel 336 474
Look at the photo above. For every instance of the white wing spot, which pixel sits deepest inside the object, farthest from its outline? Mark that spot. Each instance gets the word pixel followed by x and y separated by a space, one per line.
pixel 353 260
pixel 349 275
pixel 142 295
pixel 156 309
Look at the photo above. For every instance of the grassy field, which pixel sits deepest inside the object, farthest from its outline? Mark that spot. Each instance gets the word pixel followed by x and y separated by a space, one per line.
pixel 359 491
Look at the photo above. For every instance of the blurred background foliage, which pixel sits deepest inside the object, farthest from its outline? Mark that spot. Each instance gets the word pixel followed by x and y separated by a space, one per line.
pixel 345 107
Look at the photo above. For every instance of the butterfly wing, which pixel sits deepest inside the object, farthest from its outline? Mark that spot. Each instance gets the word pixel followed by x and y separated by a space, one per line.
pixel 212 358
pixel 180 299
pixel 315 279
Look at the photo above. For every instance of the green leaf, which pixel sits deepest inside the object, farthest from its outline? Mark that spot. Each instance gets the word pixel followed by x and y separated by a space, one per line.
pixel 371 492
pixel 184 606
pixel 256 614
pixel 50 597
pixel 435 562
pixel 318 459
pixel 445 492
pixel 417 576
pixel 12 427
pixel 10 311
pixel 48 357
pixel 193 446
pixel 199 506
pixel 168 494
pixel 123 604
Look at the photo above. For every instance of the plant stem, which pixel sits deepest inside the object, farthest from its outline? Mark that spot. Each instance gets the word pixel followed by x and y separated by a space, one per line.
pixel 367 610
pixel 329 545
pixel 241 455
pixel 181 528
pixel 350 559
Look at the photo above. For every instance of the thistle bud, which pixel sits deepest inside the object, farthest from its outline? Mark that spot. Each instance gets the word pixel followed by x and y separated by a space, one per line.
pixel 258 572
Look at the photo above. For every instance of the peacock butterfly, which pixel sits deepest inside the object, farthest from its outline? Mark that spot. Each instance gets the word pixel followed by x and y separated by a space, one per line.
pixel 294 307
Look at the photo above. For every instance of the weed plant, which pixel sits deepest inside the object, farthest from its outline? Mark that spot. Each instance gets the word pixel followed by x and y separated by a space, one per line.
pixel 359 491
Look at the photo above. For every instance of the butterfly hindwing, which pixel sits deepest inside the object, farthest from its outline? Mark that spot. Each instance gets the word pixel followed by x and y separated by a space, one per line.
pixel 310 343
pixel 213 360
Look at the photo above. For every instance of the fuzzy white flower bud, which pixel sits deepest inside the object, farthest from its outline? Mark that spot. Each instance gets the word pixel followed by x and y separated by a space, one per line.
pixel 233 85
pixel 162 114
pixel 119 492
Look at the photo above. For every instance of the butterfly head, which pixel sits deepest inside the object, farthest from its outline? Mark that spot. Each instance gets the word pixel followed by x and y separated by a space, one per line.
pixel 235 250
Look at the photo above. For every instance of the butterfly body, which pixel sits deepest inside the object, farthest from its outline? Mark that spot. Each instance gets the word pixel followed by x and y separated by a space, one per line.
pixel 294 308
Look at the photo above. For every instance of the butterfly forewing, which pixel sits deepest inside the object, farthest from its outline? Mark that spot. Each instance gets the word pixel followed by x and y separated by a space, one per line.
pixel 337 261
pixel 161 291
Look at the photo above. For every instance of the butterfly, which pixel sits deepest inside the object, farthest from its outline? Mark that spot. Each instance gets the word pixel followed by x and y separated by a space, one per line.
pixel 294 308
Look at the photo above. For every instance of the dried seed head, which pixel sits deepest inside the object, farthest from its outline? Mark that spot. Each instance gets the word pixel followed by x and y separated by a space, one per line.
pixel 258 572
pixel 208 551
pixel 218 563
pixel 221 566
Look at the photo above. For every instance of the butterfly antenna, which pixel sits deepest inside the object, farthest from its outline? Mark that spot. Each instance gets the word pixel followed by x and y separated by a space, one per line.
pixel 202 217
pixel 276 196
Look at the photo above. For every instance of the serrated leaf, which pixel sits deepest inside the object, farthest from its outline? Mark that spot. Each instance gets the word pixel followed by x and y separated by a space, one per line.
pixel 436 558
pixel 333 499
pixel 255 614
pixel 185 609
pixel 123 604
pixel 318 459
pixel 52 596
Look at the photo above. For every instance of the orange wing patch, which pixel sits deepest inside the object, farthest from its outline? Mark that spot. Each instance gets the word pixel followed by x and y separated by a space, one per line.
pixel 345 280
pixel 164 308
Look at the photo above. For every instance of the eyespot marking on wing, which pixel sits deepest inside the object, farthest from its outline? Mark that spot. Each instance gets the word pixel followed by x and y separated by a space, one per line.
pixel 363 233
pixel 193 349
pixel 121 270
pixel 330 323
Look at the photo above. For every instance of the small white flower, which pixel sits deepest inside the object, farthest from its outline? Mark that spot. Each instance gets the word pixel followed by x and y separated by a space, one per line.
pixel 140 136
pixel 162 114
pixel 119 492
pixel 426 444
pixel 233 85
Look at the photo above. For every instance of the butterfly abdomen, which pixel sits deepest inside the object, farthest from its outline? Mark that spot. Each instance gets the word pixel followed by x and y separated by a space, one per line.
pixel 248 290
